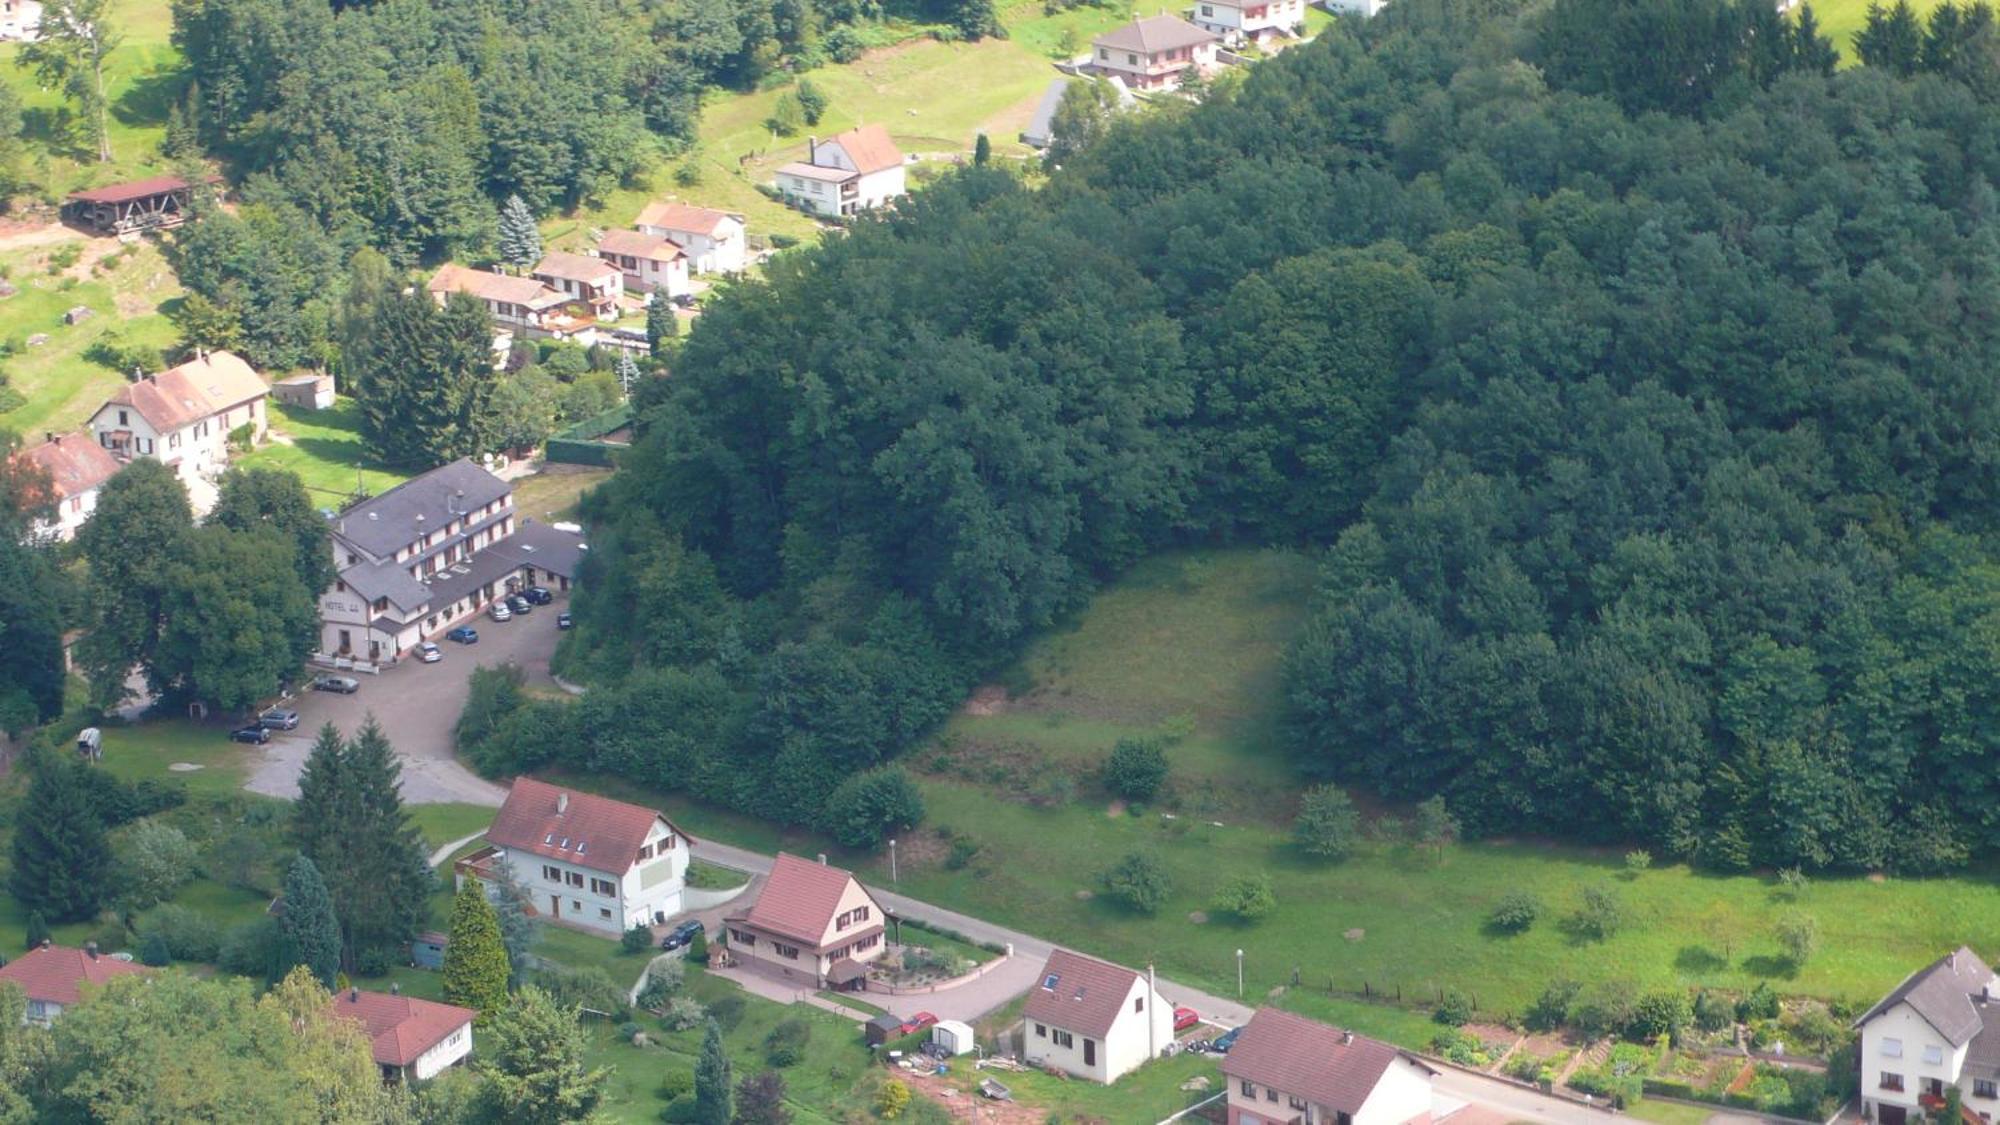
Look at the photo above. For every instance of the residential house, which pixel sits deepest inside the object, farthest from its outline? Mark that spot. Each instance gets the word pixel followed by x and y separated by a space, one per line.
pixel 713 240
pixel 183 416
pixel 649 262
pixel 1939 1028
pixel 1237 20
pixel 77 467
pixel 585 860
pixel 811 922
pixel 845 174
pixel 520 303
pixel 410 1038
pixel 427 554
pixel 583 278
pixel 1093 1019
pixel 1289 1070
pixel 1154 53
pixel 53 976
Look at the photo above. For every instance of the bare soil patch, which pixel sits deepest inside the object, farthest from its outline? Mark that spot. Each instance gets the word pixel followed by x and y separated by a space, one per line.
pixel 989 699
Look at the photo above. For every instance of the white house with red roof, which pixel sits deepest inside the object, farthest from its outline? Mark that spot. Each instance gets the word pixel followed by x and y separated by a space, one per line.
pixel 647 261
pixel 1093 1019
pixel 845 174
pixel 811 922
pixel 521 303
pixel 183 416
pixel 713 240
pixel 54 977
pixel 77 467
pixel 583 278
pixel 1286 1068
pixel 1237 20
pixel 585 860
pixel 410 1038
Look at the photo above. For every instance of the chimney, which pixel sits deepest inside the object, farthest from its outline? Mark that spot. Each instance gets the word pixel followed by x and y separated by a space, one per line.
pixel 395 989
pixel 812 148
pixel 47 944
pixel 90 950
pixel 48 435
pixel 562 803
pixel 354 996
pixel 822 859
pixel 1346 1038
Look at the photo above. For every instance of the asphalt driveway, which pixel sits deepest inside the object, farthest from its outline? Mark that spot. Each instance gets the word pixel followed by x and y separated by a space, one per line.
pixel 417 705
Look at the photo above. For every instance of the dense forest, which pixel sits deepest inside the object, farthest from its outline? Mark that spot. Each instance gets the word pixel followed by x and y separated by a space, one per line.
pixel 1634 369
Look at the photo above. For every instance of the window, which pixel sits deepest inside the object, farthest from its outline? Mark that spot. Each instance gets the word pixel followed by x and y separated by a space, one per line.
pixel 1892 1081
pixel 1131 59
pixel 1892 1048
pixel 1270 1095
pixel 575 905
pixel 1296 1102
pixel 604 887
pixel 575 879
pixel 1049 982
pixel 1985 1088
pixel 645 853
pixel 604 912
pixel 789 952
pixel 869 942
pixel 1933 1054
pixel 1138 1003
pixel 1249 1088
pixel 746 940
pixel 122 420
pixel 1207 11
pixel 456 1038
pixel 1041 1031
pixel 552 874
pixel 1063 1038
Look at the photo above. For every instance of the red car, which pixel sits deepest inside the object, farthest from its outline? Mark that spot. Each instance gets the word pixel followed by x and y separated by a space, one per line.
pixel 916 1023
pixel 1185 1018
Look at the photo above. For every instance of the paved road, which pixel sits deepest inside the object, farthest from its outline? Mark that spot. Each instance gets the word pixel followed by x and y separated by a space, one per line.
pixel 417 705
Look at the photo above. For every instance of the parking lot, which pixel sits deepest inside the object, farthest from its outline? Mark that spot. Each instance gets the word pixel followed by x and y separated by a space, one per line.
pixel 417 705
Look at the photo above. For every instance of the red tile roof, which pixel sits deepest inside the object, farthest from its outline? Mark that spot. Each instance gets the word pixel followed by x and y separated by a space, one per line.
pixel 800 899
pixel 575 267
pixel 56 973
pixel 869 147
pixel 127 192
pixel 1080 994
pixel 638 245
pixel 526 291
pixel 1154 34
pixel 1299 1056
pixel 181 396
pixel 75 463
pixel 579 828
pixel 680 216
pixel 401 1028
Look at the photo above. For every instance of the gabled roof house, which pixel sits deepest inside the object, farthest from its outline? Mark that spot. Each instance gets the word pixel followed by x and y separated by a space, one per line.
pixel 77 466
pixel 1093 1019
pixel 1286 1068
pixel 1939 1028
pixel 713 240
pixel 845 174
pixel 811 922
pixel 409 1038
pixel 54 976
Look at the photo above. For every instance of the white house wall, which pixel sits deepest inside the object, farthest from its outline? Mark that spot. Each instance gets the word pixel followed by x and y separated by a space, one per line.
pixel 1124 1049
pixel 1403 1093
pixel 455 1046
pixel 1914 1033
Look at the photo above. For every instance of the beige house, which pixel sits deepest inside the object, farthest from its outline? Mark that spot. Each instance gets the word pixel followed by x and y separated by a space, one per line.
pixel 1093 1019
pixel 648 261
pixel 1154 53
pixel 582 278
pixel 810 923
pixel 520 303
pixel 182 418
pixel 1289 1070
pixel 713 240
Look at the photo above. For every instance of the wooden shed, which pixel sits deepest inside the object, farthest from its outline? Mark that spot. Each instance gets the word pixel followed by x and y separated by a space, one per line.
pixel 128 208
pixel 427 951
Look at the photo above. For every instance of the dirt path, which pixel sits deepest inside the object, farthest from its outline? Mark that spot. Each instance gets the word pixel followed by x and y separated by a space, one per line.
pixel 23 236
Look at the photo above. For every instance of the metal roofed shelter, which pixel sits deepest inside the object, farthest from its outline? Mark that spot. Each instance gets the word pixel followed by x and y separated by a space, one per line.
pixel 139 205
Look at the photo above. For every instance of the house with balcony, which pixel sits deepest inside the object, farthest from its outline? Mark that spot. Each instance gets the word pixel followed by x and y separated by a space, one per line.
pixel 522 304
pixel 1289 1070
pixel 182 417
pixel 1256 20
pixel 712 240
pixel 586 861
pixel 648 262
pixel 53 977
pixel 811 923
pixel 410 1039
pixel 845 174
pixel 583 280
pixel 1153 54
pixel 76 467
pixel 1939 1028
pixel 1092 1019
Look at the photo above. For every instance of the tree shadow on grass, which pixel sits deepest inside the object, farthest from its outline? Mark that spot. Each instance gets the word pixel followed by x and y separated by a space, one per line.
pixel 1699 959
pixel 1767 965
pixel 149 98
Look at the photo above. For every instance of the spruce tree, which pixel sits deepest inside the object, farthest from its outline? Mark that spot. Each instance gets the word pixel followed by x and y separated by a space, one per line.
pixel 982 151
pixel 475 961
pixel 520 239
pixel 312 933
pixel 628 372
pixel 350 820
pixel 61 860
pixel 316 815
pixel 713 1095
pixel 661 324
pixel 518 928
pixel 38 929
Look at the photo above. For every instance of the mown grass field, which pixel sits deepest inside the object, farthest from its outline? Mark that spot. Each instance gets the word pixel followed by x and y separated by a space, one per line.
pixel 142 76
pixel 127 291
pixel 324 448
pixel 1840 19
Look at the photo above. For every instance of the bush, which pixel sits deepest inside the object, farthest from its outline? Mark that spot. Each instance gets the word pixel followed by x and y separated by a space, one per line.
pixel 1328 825
pixel 157 859
pixel 188 936
pixel 124 356
pixel 1760 1004
pixel 676 1082
pixel 786 1043
pixel 1598 915
pixel 867 807
pixel 1139 881
pixel 153 951
pixel 1551 1009
pixel 727 1010
pixel 1638 862
pixel 697 948
pixel 663 980
pixel 1798 934
pixel 1599 1082
pixel 963 851
pixel 684 1012
pixel 1713 1011
pixel 591 988
pixel 1247 897
pixel 1455 1010
pixel 1666 1012
pixel 638 939
pixel 682 1110
pixel 253 949
pixel 1136 768
pixel 1515 912
pixel 1458 1047
pixel 1603 1009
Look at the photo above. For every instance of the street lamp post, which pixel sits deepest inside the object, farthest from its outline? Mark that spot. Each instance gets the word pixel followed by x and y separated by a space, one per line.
pixel 1239 974
pixel 892 862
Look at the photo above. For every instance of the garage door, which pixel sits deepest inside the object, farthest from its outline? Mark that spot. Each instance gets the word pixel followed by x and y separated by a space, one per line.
pixel 1891 1115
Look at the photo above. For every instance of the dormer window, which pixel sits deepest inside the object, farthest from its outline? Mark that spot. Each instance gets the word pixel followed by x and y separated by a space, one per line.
pixel 1049 982
pixel 549 839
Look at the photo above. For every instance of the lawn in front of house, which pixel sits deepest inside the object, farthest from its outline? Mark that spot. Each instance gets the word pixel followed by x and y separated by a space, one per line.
pixel 551 493
pixel 441 824
pixel 325 449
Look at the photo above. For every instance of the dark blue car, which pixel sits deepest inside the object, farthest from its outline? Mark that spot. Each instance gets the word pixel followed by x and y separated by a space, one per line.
pixel 464 634
pixel 1226 1040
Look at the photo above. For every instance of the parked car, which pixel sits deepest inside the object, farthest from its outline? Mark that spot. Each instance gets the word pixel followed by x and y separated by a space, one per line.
pixel 681 935
pixel 344 685
pixel 255 732
pixel 429 653
pixel 521 606
pixel 1225 1041
pixel 539 595
pixel 279 719
pixel 498 611
pixel 1185 1018
pixel 464 634
pixel 917 1023
pixel 565 621
pixel 684 300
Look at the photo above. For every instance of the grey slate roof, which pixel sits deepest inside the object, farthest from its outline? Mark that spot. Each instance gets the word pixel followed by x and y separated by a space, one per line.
pixel 386 580
pixel 1154 34
pixel 1946 993
pixel 1042 125
pixel 542 547
pixel 382 524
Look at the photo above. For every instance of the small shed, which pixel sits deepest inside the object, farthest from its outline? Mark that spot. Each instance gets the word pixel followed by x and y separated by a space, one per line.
pixel 130 207
pixel 953 1036
pixel 427 951
pixel 881 1029
pixel 308 391
pixel 90 743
